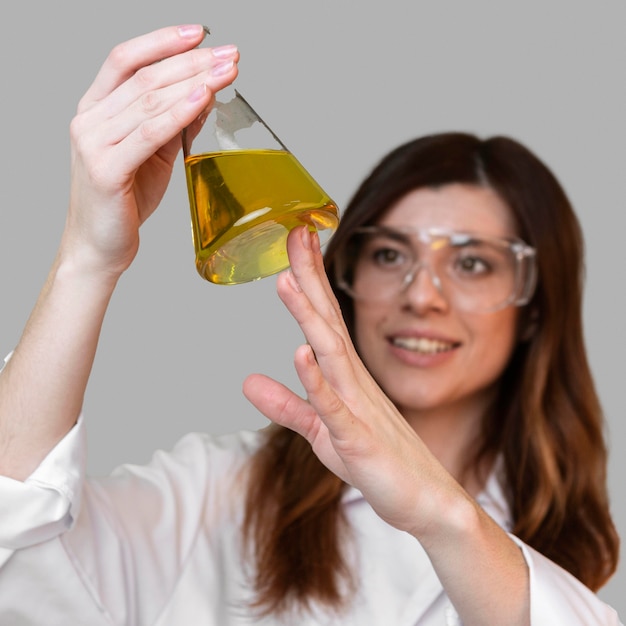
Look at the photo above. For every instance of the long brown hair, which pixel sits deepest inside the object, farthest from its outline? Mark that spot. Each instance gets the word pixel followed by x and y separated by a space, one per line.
pixel 547 421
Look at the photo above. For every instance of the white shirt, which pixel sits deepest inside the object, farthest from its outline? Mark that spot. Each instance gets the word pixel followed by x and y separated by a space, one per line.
pixel 159 545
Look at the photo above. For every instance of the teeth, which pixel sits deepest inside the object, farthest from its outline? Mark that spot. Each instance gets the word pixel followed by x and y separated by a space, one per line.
pixel 421 344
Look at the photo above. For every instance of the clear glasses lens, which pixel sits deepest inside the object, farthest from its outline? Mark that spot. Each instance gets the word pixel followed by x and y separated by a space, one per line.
pixel 473 272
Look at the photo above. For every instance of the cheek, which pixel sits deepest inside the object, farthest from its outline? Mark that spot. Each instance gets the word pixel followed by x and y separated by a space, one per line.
pixel 367 319
pixel 498 338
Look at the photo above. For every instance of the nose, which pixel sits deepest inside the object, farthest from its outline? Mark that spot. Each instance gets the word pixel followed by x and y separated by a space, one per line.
pixel 423 291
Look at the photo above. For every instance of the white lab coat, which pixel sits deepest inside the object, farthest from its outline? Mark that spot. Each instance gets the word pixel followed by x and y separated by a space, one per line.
pixel 159 545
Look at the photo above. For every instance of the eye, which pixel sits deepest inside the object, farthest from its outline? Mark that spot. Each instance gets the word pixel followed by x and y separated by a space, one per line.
pixel 472 265
pixel 385 253
pixel 387 257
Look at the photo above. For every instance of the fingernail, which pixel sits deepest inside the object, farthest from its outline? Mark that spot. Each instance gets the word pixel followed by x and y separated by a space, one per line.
pixel 315 240
pixel 190 30
pixel 292 281
pixel 198 93
pixel 224 52
pixel 310 355
pixel 222 68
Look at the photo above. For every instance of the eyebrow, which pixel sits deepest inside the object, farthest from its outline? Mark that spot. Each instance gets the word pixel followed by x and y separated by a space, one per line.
pixel 391 233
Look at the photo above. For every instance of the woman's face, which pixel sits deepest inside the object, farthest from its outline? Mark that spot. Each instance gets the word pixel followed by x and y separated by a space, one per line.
pixel 425 352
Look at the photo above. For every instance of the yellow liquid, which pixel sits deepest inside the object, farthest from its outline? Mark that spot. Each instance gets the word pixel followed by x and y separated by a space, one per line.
pixel 243 205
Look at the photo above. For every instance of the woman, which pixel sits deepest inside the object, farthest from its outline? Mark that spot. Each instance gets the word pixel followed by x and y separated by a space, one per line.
pixel 432 474
pixel 538 419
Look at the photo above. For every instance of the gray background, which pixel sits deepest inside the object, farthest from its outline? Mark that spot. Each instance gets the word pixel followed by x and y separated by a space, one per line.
pixel 340 84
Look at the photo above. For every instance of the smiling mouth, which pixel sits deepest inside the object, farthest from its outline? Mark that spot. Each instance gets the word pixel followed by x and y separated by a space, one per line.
pixel 423 345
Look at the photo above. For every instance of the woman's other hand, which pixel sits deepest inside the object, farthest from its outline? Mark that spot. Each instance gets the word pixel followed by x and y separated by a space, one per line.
pixel 125 138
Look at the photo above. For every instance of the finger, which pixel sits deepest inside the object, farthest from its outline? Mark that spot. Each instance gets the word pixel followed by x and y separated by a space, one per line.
pixel 332 347
pixel 279 404
pixel 317 327
pixel 306 292
pixel 309 276
pixel 127 57
pixel 122 159
pixel 152 89
pixel 339 398
pixel 324 400
pixel 309 268
pixel 287 409
pixel 156 100
pixel 318 264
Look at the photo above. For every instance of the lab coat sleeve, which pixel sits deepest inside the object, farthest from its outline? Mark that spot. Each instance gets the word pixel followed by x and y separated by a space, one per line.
pixel 557 597
pixel 120 540
pixel 46 504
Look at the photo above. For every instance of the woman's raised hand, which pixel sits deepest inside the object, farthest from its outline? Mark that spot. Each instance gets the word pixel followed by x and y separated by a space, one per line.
pixel 126 136
pixel 354 429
